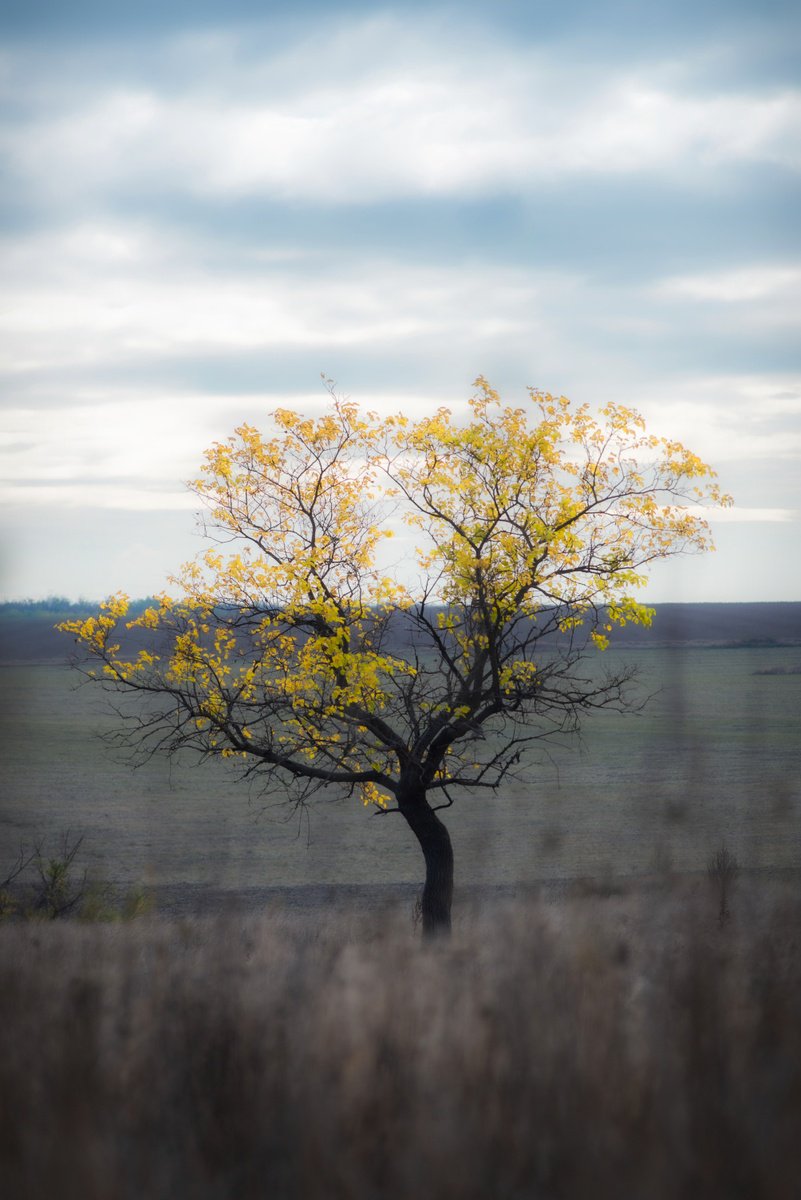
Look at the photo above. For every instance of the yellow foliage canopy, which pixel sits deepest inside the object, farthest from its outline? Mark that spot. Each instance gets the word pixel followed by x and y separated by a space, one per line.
pixel 294 651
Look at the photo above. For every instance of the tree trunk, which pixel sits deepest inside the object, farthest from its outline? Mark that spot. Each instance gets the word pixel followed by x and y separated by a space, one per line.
pixel 435 843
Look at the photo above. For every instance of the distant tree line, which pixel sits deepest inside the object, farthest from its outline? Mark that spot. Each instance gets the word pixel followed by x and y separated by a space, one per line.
pixel 56 605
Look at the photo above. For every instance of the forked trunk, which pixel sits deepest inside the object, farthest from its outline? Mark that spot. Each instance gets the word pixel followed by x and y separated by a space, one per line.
pixel 435 843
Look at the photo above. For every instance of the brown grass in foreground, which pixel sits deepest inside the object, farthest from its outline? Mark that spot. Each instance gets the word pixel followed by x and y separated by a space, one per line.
pixel 622 1048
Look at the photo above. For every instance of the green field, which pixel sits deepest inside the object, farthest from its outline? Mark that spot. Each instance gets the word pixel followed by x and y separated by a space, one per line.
pixel 714 755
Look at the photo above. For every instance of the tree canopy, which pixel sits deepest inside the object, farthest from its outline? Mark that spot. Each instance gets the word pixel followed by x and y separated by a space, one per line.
pixel 296 651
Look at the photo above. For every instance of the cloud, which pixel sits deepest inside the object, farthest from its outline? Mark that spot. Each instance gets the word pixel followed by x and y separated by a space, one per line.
pixel 373 114
pixel 745 301
pixel 134 448
pixel 739 286
pixel 199 210
pixel 731 419
pixel 78 495
pixel 746 515
pixel 104 298
pixel 112 298
pixel 139 441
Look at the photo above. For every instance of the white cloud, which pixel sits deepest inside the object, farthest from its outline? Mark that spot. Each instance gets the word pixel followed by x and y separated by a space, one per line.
pixel 134 448
pixel 105 497
pixel 106 296
pixel 141 439
pixel 741 285
pixel 737 515
pixel 321 124
pixel 102 318
pixel 729 418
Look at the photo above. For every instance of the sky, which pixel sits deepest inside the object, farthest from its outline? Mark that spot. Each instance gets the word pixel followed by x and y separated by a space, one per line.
pixel 208 207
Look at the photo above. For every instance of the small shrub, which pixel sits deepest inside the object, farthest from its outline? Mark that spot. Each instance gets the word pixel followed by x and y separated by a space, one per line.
pixel 50 886
pixel 722 868
pixel 59 893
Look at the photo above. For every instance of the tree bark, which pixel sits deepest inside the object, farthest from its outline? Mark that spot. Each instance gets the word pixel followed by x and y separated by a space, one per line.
pixel 435 842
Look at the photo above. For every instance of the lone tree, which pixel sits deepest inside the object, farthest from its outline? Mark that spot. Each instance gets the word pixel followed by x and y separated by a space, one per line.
pixel 295 655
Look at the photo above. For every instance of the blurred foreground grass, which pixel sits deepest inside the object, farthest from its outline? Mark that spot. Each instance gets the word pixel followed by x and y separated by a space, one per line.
pixel 623 1046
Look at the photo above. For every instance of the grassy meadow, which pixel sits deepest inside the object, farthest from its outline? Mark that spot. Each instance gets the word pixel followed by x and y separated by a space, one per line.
pixel 611 1050
pixel 714 756
pixel 273 1026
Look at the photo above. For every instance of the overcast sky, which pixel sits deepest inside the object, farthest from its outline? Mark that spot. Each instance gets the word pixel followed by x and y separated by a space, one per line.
pixel 206 209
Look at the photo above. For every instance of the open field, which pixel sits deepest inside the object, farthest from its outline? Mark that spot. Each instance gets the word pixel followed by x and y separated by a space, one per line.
pixel 590 1030
pixel 715 756
pixel 618 1048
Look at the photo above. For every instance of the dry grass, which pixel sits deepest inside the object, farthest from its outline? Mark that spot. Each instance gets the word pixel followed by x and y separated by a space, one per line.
pixel 622 1047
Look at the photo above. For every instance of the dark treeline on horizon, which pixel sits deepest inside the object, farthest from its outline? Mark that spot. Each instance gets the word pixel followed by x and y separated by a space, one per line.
pixel 60 604
pixel 28 633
